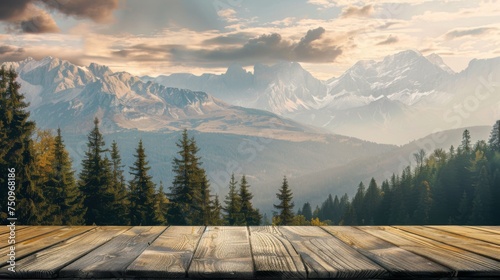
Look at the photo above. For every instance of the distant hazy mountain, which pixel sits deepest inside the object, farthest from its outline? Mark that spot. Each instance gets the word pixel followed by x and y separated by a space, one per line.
pixel 64 95
pixel 405 95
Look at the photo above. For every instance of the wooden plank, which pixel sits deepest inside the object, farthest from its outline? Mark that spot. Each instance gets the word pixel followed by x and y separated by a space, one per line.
pixel 462 262
pixel 47 263
pixel 6 229
pixel 170 254
pixel 327 257
pixel 399 262
pixel 470 244
pixel 31 232
pixel 112 258
pixel 223 252
pixel 40 242
pixel 490 237
pixel 273 255
pixel 494 229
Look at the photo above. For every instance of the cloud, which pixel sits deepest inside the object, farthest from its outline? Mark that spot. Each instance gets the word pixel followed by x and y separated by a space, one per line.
pixel 228 15
pixel 99 11
pixel 10 53
pixel 390 40
pixel 457 33
pixel 230 39
pixel 353 11
pixel 266 48
pixel 27 16
pixel 39 22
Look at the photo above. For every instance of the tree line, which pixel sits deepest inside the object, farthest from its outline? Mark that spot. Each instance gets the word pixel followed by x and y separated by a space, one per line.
pixel 458 186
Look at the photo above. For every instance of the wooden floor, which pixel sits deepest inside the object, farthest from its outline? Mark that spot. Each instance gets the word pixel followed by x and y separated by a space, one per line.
pixel 146 252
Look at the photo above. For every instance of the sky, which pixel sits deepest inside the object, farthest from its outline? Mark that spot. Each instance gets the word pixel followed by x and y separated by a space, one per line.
pixel 153 37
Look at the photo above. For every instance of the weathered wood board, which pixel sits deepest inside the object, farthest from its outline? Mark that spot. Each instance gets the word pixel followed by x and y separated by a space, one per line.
pixel 47 263
pixel 273 255
pixel 223 252
pixel 470 244
pixel 112 259
pixel 399 262
pixel 463 263
pixel 169 255
pixel 327 257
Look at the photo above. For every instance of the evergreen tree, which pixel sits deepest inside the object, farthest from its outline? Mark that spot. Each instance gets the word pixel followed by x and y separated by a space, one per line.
pixel 232 204
pixel 286 205
pixel 161 205
pixel 216 214
pixel 185 193
pixel 356 210
pixel 466 142
pixel 63 195
pixel 307 211
pixel 371 203
pixel 251 216
pixel 16 153
pixel 95 181
pixel 142 195
pixel 494 140
pixel 121 203
pixel 206 203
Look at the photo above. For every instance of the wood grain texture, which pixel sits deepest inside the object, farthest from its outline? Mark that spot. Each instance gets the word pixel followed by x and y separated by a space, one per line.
pixel 470 244
pixel 483 235
pixel 223 252
pixel 111 259
pixel 6 230
pixel 494 229
pixel 327 257
pixel 462 262
pixel 31 232
pixel 40 242
pixel 47 263
pixel 273 255
pixel 169 255
pixel 399 262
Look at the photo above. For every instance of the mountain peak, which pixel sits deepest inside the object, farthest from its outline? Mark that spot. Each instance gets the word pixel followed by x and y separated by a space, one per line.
pixel 99 70
pixel 438 61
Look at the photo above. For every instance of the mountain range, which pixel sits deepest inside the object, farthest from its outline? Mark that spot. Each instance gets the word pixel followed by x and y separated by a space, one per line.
pixel 401 98
pixel 292 128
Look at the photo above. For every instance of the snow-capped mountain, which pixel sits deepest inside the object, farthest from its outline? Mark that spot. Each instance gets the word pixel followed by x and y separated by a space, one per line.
pixel 371 96
pixel 282 88
pixel 64 95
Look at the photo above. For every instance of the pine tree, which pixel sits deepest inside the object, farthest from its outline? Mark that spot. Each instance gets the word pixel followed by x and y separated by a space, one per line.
pixel 494 140
pixel 16 153
pixel 357 214
pixel 95 181
pixel 307 211
pixel 466 142
pixel 161 205
pixel 63 195
pixel 206 203
pixel 251 216
pixel 371 202
pixel 285 207
pixel 142 195
pixel 185 193
pixel 232 204
pixel 216 218
pixel 121 203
